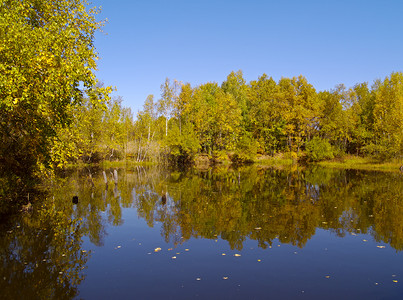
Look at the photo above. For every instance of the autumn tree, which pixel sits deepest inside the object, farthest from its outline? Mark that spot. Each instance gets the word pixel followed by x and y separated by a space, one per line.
pixel 299 109
pixel 388 116
pixel 266 118
pixel 47 63
pixel 169 94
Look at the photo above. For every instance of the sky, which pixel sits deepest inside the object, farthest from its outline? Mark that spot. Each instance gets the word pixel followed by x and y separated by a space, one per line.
pixel 198 41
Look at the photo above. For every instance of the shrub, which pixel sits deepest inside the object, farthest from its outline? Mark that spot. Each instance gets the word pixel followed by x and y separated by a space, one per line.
pixel 318 149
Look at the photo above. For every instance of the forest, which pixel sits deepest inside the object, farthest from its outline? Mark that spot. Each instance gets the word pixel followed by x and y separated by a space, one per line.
pixel 239 121
pixel 55 113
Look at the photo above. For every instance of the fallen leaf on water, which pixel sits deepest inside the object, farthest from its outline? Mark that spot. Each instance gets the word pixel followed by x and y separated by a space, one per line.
pixel 186 249
pixel 170 249
pixel 198 279
pixel 364 240
pixel 223 254
pixel 381 247
pixel 259 260
pixel 324 222
pixel 225 278
pixel 158 249
pixel 376 283
pixel 83 251
pixel 327 276
pixel 118 247
pixel 237 255
pixel 258 228
pixel 395 281
pixel 173 257
pixel 177 253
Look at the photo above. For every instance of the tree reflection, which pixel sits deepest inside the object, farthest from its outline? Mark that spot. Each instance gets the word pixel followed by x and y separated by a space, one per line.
pixel 268 204
pixel 41 257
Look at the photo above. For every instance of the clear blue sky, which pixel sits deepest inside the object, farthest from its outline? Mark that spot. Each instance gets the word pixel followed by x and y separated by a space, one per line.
pixel 199 41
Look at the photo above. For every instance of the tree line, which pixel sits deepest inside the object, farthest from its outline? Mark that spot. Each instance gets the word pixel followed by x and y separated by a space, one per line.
pixel 240 120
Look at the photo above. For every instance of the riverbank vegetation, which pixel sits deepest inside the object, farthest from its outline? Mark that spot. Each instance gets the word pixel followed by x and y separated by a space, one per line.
pixel 238 122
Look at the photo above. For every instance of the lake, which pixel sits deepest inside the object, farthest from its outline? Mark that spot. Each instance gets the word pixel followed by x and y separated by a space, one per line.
pixel 222 233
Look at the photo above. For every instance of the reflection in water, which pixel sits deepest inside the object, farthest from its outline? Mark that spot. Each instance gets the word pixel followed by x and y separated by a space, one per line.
pixel 267 204
pixel 42 256
pixel 260 204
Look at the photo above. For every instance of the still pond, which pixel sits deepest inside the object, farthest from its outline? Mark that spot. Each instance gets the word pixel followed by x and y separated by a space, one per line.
pixel 247 233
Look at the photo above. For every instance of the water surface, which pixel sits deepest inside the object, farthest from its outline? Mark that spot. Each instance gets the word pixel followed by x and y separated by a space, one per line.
pixel 221 233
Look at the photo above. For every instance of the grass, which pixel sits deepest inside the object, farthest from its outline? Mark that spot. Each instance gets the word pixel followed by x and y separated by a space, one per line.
pixel 361 163
pixel 278 160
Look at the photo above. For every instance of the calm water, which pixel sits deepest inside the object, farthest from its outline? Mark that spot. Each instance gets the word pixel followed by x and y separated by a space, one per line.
pixel 215 234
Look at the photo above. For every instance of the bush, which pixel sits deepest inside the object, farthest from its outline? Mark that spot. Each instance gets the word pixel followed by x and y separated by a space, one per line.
pixel 318 149
pixel 246 150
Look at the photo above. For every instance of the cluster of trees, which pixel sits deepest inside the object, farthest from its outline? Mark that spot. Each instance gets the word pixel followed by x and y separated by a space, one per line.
pixel 268 117
pixel 237 120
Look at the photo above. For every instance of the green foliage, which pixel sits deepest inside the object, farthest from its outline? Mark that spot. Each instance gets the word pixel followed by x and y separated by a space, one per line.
pixel 318 149
pixel 183 144
pixel 47 60
pixel 246 150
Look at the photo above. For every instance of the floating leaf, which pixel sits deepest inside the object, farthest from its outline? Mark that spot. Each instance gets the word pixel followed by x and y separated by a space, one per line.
pixel 223 254
pixel 158 249
pixel 364 240
pixel 395 281
pixel 186 249
pixel 173 257
pixel 327 276
pixel 258 228
pixel 225 278
pixel 237 255
pixel 198 279
pixel 259 260
pixel 170 249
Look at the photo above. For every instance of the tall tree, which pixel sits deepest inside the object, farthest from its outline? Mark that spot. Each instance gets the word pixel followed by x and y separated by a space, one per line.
pixel 169 94
pixel 47 62
pixel 298 99
pixel 388 115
